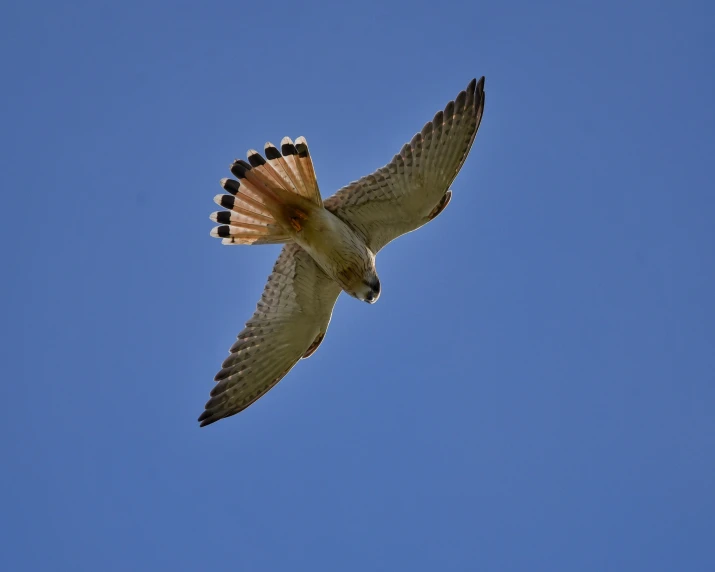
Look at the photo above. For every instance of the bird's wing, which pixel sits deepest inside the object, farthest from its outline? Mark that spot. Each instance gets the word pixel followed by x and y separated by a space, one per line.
pixel 404 194
pixel 290 321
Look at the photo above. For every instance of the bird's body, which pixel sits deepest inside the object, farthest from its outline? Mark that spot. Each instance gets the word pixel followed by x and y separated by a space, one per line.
pixel 329 246
pixel 339 251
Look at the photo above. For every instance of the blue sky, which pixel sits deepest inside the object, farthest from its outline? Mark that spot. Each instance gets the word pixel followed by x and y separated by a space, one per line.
pixel 534 389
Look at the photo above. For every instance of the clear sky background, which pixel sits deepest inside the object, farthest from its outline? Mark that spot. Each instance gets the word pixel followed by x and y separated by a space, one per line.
pixel 534 390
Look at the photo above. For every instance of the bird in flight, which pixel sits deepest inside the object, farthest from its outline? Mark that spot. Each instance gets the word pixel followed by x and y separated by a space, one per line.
pixel 330 245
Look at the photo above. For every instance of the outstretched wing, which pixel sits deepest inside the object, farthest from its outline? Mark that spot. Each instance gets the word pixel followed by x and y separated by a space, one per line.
pixel 290 321
pixel 403 195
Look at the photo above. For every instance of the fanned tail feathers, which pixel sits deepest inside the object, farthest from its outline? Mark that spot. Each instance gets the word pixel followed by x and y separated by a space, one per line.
pixel 262 192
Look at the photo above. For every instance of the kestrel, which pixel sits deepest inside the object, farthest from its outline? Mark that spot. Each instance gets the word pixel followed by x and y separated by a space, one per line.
pixel 330 245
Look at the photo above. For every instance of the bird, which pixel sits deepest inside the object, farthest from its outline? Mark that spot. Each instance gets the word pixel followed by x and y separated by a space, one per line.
pixel 329 245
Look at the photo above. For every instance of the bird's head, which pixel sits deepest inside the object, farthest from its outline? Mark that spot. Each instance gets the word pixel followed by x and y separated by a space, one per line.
pixel 368 290
pixel 360 280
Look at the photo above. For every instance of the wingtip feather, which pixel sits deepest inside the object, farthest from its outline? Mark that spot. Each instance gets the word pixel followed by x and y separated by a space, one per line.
pixel 271 151
pixel 230 185
pixel 239 168
pixel 255 159
pixel 287 147
pixel 222 231
pixel 221 200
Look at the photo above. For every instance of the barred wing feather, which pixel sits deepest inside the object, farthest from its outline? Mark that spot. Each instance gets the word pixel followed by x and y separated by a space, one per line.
pixel 290 320
pixel 399 197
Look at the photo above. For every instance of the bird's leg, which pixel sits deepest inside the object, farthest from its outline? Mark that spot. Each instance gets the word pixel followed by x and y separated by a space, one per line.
pixel 314 346
pixel 296 218
pixel 441 205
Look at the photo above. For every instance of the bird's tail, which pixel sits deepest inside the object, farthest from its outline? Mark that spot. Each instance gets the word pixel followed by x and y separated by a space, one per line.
pixel 270 196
